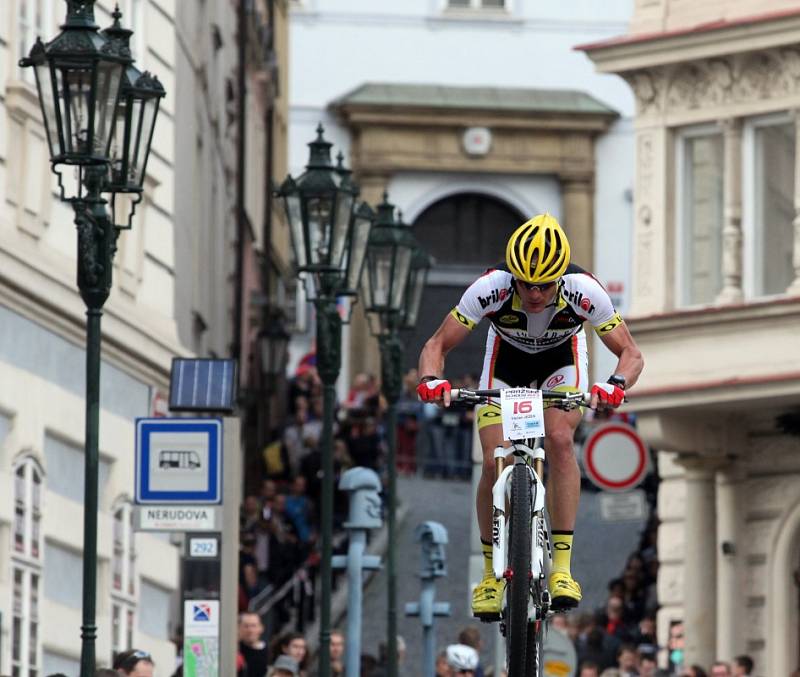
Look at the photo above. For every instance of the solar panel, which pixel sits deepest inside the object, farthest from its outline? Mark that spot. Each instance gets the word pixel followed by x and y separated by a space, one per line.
pixel 202 385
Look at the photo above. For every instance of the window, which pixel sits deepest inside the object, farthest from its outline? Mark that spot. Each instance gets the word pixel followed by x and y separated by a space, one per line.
pixel 773 145
pixel 34 19
pixel 65 466
pixel 700 200
pixel 123 580
pixel 26 569
pixel 477 4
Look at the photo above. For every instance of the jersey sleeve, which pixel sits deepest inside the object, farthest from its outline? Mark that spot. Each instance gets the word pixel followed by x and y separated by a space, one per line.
pixel 604 317
pixel 590 299
pixel 484 296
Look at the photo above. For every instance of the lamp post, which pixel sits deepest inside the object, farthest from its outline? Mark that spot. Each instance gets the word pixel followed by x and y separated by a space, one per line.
pixel 328 237
pixel 99 113
pixel 390 253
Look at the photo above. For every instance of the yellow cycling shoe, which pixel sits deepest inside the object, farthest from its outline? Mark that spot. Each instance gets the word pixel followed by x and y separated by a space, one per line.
pixel 565 591
pixel 487 597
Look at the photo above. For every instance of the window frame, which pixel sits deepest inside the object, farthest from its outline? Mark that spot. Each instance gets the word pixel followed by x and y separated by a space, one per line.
pixel 26 35
pixel 28 563
pixel 477 6
pixel 123 600
pixel 680 285
pixel 752 243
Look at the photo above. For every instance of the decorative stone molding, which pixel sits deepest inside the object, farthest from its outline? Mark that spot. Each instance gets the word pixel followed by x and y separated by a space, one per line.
pixel 732 79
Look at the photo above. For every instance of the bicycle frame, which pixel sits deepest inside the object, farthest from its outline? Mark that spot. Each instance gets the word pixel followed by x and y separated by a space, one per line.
pixel 540 548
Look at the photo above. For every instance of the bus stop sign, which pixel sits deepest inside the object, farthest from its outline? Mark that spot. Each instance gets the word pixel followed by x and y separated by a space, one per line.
pixel 178 460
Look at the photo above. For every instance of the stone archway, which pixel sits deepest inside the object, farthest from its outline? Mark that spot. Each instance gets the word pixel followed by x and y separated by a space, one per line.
pixel 783 615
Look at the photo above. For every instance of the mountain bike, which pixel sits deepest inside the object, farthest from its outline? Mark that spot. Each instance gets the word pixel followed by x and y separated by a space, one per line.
pixel 521 550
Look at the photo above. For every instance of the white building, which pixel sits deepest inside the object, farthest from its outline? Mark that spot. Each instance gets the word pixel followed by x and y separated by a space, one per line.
pixel 42 358
pixel 397 84
pixel 716 311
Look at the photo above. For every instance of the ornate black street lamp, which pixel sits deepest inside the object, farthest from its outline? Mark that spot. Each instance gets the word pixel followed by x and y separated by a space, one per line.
pixel 328 240
pixel 390 253
pixel 273 344
pixel 421 263
pixel 82 77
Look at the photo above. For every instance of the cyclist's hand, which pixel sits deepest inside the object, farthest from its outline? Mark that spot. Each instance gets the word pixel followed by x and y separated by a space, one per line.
pixel 435 390
pixel 606 396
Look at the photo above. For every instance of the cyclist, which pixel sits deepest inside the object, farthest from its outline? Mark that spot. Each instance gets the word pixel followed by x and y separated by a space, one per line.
pixel 536 303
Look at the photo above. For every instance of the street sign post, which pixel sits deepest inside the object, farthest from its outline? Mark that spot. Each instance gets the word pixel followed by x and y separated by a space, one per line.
pixel 615 458
pixel 178 461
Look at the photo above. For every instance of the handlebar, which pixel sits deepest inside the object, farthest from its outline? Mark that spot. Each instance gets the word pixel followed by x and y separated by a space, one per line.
pixel 559 399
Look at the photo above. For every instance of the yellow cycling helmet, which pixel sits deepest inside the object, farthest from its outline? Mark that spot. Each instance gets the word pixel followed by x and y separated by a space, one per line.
pixel 538 251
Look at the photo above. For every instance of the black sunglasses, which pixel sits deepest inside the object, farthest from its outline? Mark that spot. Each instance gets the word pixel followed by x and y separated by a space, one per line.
pixel 530 286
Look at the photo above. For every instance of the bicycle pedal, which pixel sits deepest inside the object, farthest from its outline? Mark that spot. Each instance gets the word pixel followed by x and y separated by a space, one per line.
pixel 488 618
pixel 563 604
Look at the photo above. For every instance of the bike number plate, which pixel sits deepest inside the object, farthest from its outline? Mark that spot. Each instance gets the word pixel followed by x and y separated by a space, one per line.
pixel 523 413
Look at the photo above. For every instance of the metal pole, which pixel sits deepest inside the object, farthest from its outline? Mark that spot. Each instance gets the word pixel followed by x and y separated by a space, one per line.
pixel 428 633
pixel 89 628
pixel 97 238
pixel 391 378
pixel 329 357
pixel 358 542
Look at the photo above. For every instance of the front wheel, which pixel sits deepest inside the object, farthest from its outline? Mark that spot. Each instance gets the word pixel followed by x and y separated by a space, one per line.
pixel 519 561
pixel 534 661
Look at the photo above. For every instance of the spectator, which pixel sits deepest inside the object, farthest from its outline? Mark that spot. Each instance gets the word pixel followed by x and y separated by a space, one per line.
pixel 610 672
pixel 441 667
pixel 742 666
pixel 627 661
pixel 252 648
pixel 298 509
pixel 614 623
pixel 461 660
pixel 251 514
pixel 598 647
pixel 675 644
pixel 248 569
pixel 337 653
pixel 471 636
pixel 134 663
pixel 369 664
pixel 647 663
pixel 646 631
pixel 383 656
pixel 720 669
pixel 694 671
pixel 589 669
pixel 291 644
pixel 284 666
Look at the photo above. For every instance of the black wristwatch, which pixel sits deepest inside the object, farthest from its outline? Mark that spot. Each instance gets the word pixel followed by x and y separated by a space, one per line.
pixel 617 380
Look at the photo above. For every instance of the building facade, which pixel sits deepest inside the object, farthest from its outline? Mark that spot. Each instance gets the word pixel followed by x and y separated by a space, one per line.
pixel 231 240
pixel 42 356
pixel 403 89
pixel 715 307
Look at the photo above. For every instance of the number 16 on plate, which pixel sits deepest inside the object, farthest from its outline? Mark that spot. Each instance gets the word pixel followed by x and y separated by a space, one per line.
pixel 522 412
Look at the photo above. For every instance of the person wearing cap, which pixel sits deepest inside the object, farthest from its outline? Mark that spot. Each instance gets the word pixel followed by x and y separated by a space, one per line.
pixel 284 666
pixel 461 660
pixel 134 663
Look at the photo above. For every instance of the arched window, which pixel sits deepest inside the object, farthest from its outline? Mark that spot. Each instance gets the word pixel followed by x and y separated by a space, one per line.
pixel 123 579
pixel 26 567
pixel 466 233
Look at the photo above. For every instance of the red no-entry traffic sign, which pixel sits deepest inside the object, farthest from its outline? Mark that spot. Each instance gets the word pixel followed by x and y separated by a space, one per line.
pixel 615 457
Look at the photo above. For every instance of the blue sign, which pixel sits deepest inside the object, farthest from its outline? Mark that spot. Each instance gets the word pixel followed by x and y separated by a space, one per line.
pixel 178 460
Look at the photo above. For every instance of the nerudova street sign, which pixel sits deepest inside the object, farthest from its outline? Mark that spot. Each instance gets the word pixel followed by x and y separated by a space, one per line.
pixel 178 518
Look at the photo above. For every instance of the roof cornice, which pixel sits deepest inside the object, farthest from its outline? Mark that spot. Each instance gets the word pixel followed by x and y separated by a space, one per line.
pixel 636 52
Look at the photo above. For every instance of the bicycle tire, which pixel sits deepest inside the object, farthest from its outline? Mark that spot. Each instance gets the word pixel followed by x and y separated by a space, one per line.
pixel 519 561
pixel 534 659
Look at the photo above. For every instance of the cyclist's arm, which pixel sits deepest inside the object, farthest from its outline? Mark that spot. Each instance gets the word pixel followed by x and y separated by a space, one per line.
pixel 620 342
pixel 447 336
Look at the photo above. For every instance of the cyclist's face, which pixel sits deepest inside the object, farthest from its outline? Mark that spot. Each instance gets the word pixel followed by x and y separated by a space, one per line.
pixel 535 298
